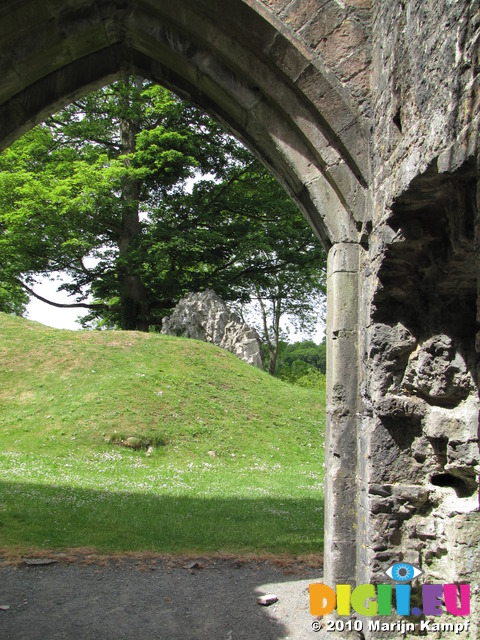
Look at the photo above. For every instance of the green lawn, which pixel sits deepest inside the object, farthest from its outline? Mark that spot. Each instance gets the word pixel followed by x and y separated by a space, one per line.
pixel 229 459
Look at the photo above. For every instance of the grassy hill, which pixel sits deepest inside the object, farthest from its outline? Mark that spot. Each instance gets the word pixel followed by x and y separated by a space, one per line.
pixel 130 441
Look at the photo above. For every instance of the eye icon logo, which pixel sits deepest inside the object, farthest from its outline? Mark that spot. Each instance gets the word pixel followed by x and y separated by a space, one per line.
pixel 403 572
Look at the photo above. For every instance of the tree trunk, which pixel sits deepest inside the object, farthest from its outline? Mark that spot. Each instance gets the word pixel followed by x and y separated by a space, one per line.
pixel 272 341
pixel 272 346
pixel 277 313
pixel 133 294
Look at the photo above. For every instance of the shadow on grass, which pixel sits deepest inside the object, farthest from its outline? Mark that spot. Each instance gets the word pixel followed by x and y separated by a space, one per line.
pixel 51 517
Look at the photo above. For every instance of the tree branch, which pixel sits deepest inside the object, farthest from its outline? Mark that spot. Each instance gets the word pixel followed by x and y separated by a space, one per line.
pixel 86 271
pixel 77 305
pixel 241 172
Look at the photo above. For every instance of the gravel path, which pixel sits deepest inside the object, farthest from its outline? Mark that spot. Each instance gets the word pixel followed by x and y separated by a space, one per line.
pixel 153 598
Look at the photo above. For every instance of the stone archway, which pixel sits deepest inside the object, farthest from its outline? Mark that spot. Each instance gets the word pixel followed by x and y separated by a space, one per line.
pixel 238 62
pixel 369 114
pixel 248 66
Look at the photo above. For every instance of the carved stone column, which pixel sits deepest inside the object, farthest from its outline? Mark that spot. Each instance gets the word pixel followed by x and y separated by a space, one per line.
pixel 342 411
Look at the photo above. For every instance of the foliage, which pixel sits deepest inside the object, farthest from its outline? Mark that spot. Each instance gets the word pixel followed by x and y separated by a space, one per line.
pixel 77 186
pixel 102 192
pixel 313 380
pixel 13 298
pixel 229 471
pixel 300 359
pixel 250 244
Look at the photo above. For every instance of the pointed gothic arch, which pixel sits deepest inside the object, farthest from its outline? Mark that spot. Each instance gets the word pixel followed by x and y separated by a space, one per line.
pixel 234 59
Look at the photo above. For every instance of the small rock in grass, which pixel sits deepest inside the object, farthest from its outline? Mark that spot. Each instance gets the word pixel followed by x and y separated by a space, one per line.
pixel 268 599
pixel 132 442
pixel 39 562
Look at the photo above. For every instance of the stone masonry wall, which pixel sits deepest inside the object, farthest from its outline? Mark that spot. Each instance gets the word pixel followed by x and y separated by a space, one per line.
pixel 425 90
pixel 418 441
pixel 339 33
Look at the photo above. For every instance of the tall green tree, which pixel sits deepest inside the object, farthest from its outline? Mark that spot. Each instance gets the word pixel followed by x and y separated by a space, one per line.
pixel 103 191
pixel 83 184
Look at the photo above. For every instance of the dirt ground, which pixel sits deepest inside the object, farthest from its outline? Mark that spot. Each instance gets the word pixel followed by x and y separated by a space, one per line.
pixel 151 598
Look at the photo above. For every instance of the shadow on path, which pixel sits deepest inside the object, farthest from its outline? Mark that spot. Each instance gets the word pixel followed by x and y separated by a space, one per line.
pixel 153 599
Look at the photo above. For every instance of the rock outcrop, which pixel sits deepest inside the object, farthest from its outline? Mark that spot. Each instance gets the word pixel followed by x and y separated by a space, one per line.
pixel 205 316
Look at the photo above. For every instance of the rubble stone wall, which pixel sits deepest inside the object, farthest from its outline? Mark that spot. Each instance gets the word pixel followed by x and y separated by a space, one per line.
pixel 368 113
pixel 419 460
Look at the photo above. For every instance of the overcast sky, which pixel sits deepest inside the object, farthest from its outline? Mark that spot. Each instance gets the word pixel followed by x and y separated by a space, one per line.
pixel 52 316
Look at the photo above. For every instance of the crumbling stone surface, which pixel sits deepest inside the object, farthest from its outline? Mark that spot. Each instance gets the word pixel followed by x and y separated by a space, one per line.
pixel 389 349
pixel 421 403
pixel 438 373
pixel 205 316
pixel 425 85
pixel 369 115
pixel 421 386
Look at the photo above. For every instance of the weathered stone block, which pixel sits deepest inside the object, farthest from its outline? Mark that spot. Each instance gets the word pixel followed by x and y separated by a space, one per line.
pixel 299 12
pixel 324 22
pixel 342 42
pixel 438 373
pixel 204 316
pixel 399 407
pixel 390 342
pixel 458 425
pixel 466 453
